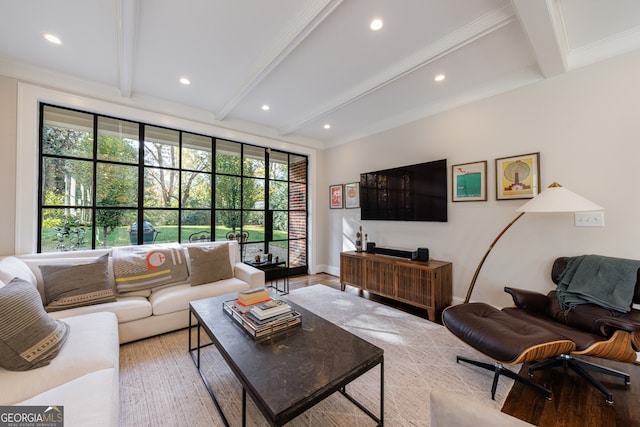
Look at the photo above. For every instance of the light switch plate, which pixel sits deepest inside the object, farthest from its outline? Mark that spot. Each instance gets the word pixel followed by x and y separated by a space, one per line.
pixel 589 219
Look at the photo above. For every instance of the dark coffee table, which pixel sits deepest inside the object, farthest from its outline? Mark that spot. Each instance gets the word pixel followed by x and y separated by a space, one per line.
pixel 291 371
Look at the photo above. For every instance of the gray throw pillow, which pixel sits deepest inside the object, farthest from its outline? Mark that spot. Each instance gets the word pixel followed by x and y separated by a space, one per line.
pixel 29 337
pixel 209 264
pixel 69 286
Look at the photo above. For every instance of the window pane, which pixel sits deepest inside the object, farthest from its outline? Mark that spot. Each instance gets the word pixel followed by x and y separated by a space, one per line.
pixel 253 193
pixel 297 225
pixel 297 253
pixel 161 188
pixel 228 157
pixel 279 165
pixel 297 196
pixel 278 195
pixel 113 227
pixel 161 147
pixel 196 152
pixel 278 250
pixel 253 224
pixel 67 133
pixel 280 225
pixel 196 224
pixel 298 168
pixel 252 250
pixel 65 230
pixel 253 161
pixel 227 222
pixel 116 185
pixel 164 225
pixel 196 190
pixel 118 140
pixel 227 192
pixel 67 182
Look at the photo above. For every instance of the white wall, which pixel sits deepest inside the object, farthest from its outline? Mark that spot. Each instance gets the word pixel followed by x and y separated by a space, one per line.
pixel 586 126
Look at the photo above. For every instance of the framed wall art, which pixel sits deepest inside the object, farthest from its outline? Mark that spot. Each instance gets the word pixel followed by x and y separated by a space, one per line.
pixel 335 196
pixel 518 177
pixel 469 182
pixel 352 195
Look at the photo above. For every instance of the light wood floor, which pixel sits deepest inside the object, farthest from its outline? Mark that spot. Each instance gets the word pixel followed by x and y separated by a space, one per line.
pixel 575 404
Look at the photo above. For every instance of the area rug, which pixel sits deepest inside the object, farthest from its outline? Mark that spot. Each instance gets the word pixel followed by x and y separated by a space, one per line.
pixel 159 385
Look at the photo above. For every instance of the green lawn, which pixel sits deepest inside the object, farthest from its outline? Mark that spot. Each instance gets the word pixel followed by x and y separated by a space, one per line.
pixel 120 236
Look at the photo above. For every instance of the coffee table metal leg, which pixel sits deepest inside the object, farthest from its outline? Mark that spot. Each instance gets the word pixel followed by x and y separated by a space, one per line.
pixel 244 407
pixel 371 415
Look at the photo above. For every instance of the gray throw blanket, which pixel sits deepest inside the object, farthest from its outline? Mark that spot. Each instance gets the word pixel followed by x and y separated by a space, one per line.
pixel 605 281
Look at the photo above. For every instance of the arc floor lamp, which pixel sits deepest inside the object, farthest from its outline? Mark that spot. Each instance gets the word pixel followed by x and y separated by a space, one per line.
pixel 553 199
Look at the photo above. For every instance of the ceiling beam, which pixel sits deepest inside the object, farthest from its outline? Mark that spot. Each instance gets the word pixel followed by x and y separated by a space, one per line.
pixel 128 15
pixel 478 28
pixel 312 16
pixel 543 24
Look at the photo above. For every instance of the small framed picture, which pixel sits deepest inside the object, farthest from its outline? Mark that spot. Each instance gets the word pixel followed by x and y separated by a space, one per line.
pixel 336 198
pixel 352 195
pixel 469 182
pixel 518 177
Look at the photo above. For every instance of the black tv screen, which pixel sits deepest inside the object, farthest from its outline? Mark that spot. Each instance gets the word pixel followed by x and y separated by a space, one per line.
pixel 408 193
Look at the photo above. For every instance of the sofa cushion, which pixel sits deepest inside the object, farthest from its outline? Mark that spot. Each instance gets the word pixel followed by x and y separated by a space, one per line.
pixel 149 266
pixel 69 286
pixel 92 345
pixel 29 337
pixel 90 400
pixel 177 298
pixel 209 264
pixel 126 309
pixel 12 267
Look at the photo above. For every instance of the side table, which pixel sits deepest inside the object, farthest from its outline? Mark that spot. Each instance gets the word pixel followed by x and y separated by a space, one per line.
pixel 273 271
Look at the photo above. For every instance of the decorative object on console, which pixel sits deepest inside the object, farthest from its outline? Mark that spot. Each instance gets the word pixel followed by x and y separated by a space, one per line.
pixel 469 182
pixel 554 199
pixel 336 200
pixel 518 177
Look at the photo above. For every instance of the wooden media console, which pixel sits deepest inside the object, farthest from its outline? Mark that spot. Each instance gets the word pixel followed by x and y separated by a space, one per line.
pixel 425 284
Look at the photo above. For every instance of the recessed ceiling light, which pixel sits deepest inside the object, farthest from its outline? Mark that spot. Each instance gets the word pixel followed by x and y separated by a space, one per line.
pixel 185 81
pixel 375 24
pixel 327 126
pixel 439 77
pixel 266 107
pixel 52 38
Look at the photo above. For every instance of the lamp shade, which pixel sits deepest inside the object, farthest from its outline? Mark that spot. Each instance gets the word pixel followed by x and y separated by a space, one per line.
pixel 556 198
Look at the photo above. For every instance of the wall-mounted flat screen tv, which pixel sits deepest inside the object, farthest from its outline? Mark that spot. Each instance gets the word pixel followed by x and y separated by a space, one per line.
pixel 408 193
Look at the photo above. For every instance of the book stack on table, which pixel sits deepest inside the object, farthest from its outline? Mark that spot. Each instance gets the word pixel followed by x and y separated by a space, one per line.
pixel 263 317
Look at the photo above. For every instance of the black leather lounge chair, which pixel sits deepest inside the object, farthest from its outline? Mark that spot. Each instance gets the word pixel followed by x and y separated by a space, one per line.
pixel 539 330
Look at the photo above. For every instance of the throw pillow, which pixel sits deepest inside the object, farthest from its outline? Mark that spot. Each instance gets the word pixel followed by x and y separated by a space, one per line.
pixel 29 337
pixel 149 266
pixel 209 264
pixel 69 286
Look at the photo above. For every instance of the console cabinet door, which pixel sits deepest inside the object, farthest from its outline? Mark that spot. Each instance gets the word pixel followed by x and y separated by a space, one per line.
pixel 380 277
pixel 350 270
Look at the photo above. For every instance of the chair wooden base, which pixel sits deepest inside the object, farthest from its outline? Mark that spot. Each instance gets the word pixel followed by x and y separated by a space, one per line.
pixel 498 370
pixel 581 367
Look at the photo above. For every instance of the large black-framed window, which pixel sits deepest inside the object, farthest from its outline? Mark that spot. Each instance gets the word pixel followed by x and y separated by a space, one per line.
pixel 100 177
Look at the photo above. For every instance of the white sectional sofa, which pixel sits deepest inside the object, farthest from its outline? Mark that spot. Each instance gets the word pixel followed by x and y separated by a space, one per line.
pixel 83 376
